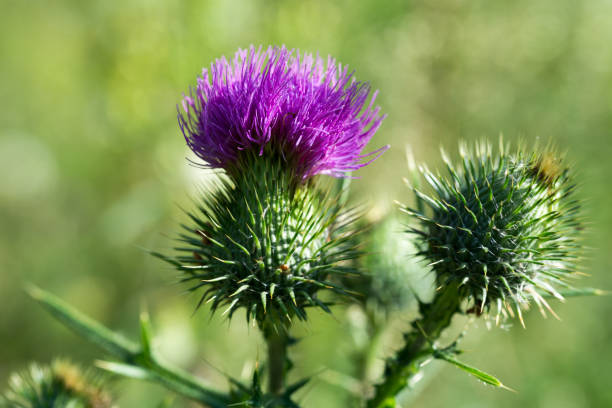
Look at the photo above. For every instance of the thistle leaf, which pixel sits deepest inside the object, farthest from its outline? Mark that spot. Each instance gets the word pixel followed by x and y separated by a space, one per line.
pixel 129 352
pixel 83 325
pixel 481 375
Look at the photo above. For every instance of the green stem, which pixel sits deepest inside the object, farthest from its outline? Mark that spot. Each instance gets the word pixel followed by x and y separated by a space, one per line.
pixel 368 354
pixel 185 384
pixel 435 317
pixel 371 354
pixel 277 342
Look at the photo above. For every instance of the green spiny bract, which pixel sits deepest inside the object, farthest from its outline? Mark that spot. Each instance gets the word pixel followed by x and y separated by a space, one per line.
pixel 61 385
pixel 263 243
pixel 504 228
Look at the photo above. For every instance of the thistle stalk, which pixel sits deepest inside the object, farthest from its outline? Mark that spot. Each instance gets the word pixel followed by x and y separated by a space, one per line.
pixel 435 318
pixel 278 362
pixel 370 351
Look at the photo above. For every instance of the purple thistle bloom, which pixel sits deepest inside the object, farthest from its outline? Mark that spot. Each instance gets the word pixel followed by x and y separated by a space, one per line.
pixel 281 102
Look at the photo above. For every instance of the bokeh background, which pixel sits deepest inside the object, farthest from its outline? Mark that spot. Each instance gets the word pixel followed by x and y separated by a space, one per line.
pixel 92 169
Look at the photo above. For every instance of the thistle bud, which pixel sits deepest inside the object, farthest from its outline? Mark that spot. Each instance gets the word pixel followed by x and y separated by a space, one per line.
pixel 391 274
pixel 502 229
pixel 61 384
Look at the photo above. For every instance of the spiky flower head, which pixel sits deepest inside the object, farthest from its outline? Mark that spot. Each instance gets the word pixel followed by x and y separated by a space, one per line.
pixel 502 228
pixel 255 243
pixel 60 385
pixel 280 103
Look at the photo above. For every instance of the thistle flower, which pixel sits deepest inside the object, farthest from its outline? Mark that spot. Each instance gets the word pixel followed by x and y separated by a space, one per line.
pixel 268 239
pixel 59 385
pixel 502 229
pixel 280 103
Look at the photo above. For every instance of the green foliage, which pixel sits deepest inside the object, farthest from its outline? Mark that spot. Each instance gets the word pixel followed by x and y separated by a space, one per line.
pixel 253 395
pixel 60 385
pixel 136 360
pixel 262 243
pixel 503 227
pixel 474 372
pixel 419 345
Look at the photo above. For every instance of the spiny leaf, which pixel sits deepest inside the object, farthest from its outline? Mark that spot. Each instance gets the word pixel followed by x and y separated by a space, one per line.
pixel 481 375
pixel 131 354
pixel 292 388
pixel 93 331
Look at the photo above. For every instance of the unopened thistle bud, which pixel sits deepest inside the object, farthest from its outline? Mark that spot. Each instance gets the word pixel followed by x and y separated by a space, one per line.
pixel 391 274
pixel 267 239
pixel 60 385
pixel 502 229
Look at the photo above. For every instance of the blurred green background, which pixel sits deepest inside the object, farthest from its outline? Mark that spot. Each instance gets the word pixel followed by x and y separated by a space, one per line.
pixel 92 168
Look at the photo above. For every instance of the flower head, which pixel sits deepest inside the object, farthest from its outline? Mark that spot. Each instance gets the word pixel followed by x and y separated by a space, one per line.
pixel 500 228
pixel 62 384
pixel 282 103
pixel 255 244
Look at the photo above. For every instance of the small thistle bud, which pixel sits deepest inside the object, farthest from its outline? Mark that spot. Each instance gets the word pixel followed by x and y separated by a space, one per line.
pixel 391 276
pixel 502 229
pixel 267 240
pixel 58 386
